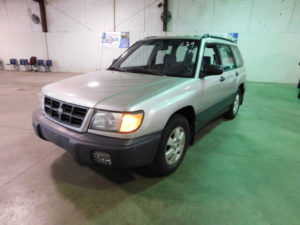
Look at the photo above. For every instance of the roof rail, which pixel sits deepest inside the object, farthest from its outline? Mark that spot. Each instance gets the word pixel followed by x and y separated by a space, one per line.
pixel 150 37
pixel 217 37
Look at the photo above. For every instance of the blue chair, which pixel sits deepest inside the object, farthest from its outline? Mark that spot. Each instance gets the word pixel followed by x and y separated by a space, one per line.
pixel 13 62
pixel 25 65
pixel 23 62
pixel 49 62
pixel 48 65
pixel 41 62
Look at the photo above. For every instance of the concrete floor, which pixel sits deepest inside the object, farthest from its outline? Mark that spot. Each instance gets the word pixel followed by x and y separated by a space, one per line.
pixel 244 171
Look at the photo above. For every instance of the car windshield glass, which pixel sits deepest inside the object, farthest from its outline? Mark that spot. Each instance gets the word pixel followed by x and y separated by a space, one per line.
pixel 173 57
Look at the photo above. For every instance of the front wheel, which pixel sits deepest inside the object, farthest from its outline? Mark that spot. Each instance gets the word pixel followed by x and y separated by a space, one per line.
pixel 173 145
pixel 234 108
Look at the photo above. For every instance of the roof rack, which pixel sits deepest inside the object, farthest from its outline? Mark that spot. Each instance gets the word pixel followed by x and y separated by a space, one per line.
pixel 150 37
pixel 217 37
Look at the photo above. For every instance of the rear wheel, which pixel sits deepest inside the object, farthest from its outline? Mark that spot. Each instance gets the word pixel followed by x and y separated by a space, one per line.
pixel 234 108
pixel 173 145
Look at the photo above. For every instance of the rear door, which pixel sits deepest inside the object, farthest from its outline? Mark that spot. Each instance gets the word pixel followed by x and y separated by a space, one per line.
pixel 240 72
pixel 229 76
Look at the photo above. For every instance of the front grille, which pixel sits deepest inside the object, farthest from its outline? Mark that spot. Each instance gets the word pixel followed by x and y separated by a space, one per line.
pixel 66 113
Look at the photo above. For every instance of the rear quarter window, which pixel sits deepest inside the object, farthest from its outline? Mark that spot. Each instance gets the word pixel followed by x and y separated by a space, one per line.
pixel 237 56
pixel 226 57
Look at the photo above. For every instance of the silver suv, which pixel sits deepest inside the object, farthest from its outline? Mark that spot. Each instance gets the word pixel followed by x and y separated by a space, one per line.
pixel 147 106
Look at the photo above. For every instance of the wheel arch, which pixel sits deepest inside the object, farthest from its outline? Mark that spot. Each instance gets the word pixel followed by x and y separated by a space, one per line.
pixel 242 88
pixel 189 113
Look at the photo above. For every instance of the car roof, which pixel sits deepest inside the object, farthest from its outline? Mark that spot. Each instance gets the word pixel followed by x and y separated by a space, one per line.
pixel 188 37
pixel 193 37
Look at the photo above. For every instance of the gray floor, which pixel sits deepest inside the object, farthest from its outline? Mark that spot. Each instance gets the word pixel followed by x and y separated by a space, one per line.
pixel 244 171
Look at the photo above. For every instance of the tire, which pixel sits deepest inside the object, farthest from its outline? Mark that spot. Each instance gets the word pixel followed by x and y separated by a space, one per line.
pixel 234 108
pixel 173 145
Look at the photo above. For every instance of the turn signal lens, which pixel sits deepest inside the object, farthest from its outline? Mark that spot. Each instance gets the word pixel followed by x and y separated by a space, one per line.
pixel 131 122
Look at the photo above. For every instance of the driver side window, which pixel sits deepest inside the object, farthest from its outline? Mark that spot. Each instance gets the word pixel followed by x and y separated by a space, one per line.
pixel 210 56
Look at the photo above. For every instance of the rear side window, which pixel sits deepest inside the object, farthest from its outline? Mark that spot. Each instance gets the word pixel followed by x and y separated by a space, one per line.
pixel 237 56
pixel 226 57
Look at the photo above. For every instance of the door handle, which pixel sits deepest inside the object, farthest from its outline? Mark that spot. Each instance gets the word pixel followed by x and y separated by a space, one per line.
pixel 222 78
pixel 236 74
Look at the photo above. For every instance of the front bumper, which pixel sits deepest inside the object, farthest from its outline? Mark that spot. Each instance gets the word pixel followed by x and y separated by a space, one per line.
pixel 125 153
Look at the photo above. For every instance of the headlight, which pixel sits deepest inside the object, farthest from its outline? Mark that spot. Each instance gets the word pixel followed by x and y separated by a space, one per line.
pixel 107 121
pixel 116 122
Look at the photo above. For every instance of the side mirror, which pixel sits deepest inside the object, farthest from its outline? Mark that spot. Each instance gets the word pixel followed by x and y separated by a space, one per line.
pixel 212 70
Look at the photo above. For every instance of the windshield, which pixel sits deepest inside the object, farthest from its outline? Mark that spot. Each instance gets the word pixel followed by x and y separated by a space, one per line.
pixel 173 57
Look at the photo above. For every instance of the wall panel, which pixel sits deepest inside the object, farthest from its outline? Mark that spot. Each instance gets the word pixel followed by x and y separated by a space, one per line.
pixel 268 57
pixel 74 52
pixel 22 45
pixel 271 57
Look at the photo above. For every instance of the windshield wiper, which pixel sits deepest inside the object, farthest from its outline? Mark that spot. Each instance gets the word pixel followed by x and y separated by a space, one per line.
pixel 115 69
pixel 143 70
pixel 157 72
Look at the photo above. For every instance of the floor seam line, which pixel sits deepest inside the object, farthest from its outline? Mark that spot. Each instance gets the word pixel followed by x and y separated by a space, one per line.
pixel 28 168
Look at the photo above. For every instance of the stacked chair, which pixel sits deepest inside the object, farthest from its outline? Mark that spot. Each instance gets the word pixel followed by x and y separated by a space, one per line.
pixel 32 65
pixel 24 65
pixel 44 65
pixel 13 64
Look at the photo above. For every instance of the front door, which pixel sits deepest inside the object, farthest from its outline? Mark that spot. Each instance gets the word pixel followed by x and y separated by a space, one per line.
pixel 211 88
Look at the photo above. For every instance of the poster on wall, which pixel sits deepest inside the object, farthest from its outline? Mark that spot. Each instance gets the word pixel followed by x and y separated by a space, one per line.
pixel 231 36
pixel 116 39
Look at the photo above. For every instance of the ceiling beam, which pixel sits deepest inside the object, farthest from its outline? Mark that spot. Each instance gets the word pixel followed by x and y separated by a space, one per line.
pixel 43 14
pixel 165 12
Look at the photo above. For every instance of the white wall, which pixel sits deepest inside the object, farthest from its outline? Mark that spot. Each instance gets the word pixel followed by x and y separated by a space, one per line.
pixel 269 31
pixel 22 45
pixel 251 16
pixel 268 57
pixel 82 15
pixel 271 57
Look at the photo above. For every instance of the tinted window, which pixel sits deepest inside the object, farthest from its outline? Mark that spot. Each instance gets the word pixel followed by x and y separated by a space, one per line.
pixel 226 57
pixel 161 54
pixel 210 56
pixel 170 57
pixel 140 58
pixel 237 56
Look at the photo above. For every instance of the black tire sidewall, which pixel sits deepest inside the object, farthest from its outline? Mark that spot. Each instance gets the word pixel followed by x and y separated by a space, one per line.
pixel 238 93
pixel 230 113
pixel 160 164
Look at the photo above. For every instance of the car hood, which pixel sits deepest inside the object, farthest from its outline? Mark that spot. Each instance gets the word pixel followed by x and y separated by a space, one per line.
pixel 109 90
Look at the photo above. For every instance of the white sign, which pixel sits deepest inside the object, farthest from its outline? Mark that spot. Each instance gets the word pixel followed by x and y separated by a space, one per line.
pixel 115 40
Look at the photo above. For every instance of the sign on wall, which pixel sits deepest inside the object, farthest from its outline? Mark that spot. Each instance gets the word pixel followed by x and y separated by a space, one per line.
pixel 230 36
pixel 233 36
pixel 116 39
